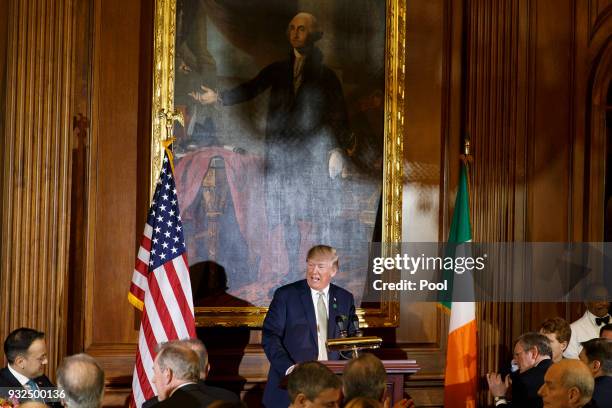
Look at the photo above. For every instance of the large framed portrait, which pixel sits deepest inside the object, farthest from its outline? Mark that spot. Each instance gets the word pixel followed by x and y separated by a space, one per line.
pixel 290 135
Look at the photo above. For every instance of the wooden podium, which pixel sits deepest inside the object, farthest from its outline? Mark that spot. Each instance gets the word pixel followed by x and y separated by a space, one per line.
pixel 397 372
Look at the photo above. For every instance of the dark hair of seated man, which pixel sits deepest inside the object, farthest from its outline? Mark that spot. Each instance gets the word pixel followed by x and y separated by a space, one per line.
pixel 364 376
pixel 312 381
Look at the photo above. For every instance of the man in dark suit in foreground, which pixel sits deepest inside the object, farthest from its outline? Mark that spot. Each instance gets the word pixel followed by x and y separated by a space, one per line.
pixel 301 317
pixel 365 377
pixel 175 374
pixel 311 384
pixel 597 355
pixel 82 380
pixel 567 384
pixel 533 355
pixel 26 352
pixel 215 393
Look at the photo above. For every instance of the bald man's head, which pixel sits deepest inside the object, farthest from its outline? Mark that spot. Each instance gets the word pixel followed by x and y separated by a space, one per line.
pixel 303 31
pixel 82 379
pixel 32 404
pixel 567 384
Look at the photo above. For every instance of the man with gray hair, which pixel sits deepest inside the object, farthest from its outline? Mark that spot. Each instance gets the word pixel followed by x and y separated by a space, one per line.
pixel 567 384
pixel 212 393
pixel 82 380
pixel 176 371
pixel 216 393
pixel 533 355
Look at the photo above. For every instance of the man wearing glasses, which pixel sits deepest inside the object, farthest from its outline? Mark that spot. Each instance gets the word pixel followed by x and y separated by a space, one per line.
pixel 533 355
pixel 301 317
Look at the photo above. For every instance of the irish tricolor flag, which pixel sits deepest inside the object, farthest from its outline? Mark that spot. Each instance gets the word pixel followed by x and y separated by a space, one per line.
pixel 460 383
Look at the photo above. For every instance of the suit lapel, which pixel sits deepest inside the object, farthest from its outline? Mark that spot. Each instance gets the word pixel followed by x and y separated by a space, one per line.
pixel 309 311
pixel 333 312
pixel 10 379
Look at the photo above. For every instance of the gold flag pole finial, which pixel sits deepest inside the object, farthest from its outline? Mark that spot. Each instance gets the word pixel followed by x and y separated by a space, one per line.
pixel 170 117
pixel 467 156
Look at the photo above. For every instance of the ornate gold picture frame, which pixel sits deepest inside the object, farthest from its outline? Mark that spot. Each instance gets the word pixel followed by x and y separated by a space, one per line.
pixel 164 114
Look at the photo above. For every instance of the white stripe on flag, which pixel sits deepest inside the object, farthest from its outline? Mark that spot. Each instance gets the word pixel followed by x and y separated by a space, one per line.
pixel 172 305
pixel 146 357
pixel 462 312
pixel 148 230
pixel 183 274
pixel 156 325
pixel 140 280
pixel 139 398
pixel 144 255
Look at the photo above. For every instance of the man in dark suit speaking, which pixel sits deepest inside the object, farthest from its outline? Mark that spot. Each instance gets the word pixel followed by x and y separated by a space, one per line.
pixel 26 352
pixel 301 317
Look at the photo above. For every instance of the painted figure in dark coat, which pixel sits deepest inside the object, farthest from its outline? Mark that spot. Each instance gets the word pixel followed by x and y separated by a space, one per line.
pixel 306 130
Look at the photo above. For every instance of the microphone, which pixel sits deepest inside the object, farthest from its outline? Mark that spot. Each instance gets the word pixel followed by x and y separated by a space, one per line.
pixel 341 324
pixel 358 332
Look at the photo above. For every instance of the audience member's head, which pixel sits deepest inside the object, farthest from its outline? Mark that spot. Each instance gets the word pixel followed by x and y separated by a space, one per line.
pixel 606 332
pixel 227 404
pixel 82 380
pixel 33 404
pixel 200 349
pixel 174 365
pixel 597 299
pixel 362 402
pixel 597 355
pixel 531 348
pixel 311 384
pixel 364 376
pixel 567 384
pixel 26 351
pixel 558 332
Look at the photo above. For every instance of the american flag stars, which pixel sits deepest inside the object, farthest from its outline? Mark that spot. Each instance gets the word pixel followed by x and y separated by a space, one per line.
pixel 167 238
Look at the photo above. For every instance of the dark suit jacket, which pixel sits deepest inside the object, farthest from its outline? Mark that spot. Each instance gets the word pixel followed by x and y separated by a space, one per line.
pixel 8 380
pixel 525 386
pixel 189 396
pixel 290 332
pixel 602 395
pixel 213 393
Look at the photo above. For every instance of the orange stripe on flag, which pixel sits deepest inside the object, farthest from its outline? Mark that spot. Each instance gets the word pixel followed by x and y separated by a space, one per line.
pixel 461 367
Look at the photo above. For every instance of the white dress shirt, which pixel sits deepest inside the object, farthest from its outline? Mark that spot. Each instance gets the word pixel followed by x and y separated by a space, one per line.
pixel 23 380
pixel 583 329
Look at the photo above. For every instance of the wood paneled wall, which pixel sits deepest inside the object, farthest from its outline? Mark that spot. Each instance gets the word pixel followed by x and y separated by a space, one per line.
pixel 523 78
pixel 538 171
pixel 36 169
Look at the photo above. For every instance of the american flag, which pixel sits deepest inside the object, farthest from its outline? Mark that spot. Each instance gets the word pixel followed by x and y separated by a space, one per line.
pixel 160 285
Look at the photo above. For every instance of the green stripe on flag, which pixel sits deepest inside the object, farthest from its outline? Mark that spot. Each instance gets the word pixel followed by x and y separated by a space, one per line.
pixel 460 232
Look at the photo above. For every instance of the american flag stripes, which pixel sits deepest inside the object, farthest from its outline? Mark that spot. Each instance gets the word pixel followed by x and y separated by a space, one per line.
pixel 160 284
